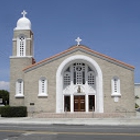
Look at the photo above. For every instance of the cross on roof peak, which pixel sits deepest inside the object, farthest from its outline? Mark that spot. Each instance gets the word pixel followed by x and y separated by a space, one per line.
pixel 24 13
pixel 78 40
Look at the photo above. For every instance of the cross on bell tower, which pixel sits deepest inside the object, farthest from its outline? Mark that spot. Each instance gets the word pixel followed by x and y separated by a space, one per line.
pixel 24 13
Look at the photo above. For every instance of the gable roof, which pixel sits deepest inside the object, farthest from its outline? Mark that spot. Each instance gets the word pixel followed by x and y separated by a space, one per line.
pixel 84 49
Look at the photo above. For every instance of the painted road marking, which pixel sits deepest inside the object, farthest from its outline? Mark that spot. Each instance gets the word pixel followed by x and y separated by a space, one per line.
pixel 73 133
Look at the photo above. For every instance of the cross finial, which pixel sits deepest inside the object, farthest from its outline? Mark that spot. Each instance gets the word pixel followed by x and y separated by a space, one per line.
pixel 78 40
pixel 24 13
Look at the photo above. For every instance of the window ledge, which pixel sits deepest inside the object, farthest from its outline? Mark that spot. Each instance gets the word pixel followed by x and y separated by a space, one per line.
pixel 42 95
pixel 116 94
pixel 20 56
pixel 19 96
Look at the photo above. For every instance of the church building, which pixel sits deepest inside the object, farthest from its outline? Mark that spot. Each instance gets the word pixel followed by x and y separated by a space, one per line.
pixel 78 79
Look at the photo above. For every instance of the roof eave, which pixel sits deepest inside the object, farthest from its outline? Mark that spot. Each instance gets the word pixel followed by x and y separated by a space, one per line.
pixel 84 48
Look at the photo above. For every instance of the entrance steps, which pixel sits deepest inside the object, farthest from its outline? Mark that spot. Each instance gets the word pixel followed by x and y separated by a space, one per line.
pixel 77 115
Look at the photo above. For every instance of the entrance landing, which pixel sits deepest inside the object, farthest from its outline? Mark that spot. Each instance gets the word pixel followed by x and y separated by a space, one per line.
pixel 80 115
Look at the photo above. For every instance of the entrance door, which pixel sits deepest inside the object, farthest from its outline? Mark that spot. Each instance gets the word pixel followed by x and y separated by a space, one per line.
pixel 91 102
pixel 67 103
pixel 79 103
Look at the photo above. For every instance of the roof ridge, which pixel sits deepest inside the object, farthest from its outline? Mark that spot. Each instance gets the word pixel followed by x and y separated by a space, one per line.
pixel 82 47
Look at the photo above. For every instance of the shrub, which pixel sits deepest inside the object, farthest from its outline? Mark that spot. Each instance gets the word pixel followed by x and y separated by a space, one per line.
pixel 4 94
pixel 13 111
pixel 136 105
pixel 0 110
pixel 136 97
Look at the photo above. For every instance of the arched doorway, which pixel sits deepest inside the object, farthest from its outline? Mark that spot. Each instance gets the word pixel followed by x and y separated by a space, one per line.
pixel 79 85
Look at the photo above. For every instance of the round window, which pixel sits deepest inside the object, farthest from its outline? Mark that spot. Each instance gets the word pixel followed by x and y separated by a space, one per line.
pixel 78 68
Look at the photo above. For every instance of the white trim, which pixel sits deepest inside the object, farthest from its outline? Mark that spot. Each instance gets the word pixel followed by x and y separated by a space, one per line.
pixel 18 95
pixel 137 84
pixel 72 105
pixel 15 29
pixel 42 95
pixel 20 56
pixel 28 39
pixel 115 94
pixel 15 39
pixel 86 103
pixel 59 81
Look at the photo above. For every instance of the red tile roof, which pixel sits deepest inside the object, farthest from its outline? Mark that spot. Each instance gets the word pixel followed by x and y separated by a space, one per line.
pixel 83 48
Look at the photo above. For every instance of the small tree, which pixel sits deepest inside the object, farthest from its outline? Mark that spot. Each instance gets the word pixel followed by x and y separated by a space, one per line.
pixel 136 97
pixel 4 94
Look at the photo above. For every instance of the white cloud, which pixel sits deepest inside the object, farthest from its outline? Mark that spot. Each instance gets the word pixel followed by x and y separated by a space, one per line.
pixel 4 85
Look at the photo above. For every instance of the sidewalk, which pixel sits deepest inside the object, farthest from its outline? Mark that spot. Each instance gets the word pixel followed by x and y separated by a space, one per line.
pixel 73 121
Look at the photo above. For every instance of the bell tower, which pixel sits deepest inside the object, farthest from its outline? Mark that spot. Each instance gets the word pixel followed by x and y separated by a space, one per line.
pixel 23 38
pixel 22 56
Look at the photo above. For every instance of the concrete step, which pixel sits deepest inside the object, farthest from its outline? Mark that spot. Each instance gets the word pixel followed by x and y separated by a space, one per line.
pixel 77 115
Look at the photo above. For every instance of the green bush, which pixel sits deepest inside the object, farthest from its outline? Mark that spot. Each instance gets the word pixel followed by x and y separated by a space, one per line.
pixel 13 111
pixel 0 110
pixel 136 105
pixel 4 94
pixel 136 97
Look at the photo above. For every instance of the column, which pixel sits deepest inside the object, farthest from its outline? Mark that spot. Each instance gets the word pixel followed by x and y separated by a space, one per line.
pixel 71 103
pixel 86 98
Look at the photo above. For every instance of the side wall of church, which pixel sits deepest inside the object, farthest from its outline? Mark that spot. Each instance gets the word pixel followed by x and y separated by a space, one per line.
pixel 126 100
pixel 109 70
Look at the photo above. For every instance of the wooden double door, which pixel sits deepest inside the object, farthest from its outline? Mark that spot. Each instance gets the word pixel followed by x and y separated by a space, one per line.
pixel 79 103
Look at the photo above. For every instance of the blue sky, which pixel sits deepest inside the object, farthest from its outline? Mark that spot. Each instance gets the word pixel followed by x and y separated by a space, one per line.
pixel 111 27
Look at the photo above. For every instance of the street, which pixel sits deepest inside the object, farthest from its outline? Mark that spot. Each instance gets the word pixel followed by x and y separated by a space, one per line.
pixel 64 132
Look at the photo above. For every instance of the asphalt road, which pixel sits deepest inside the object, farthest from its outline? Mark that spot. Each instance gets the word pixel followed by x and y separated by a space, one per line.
pixel 63 132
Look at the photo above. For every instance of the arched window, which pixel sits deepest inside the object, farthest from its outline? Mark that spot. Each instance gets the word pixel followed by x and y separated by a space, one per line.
pixel 91 78
pixel 19 88
pixel 115 85
pixel 21 46
pixel 42 87
pixel 66 78
pixel 77 74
